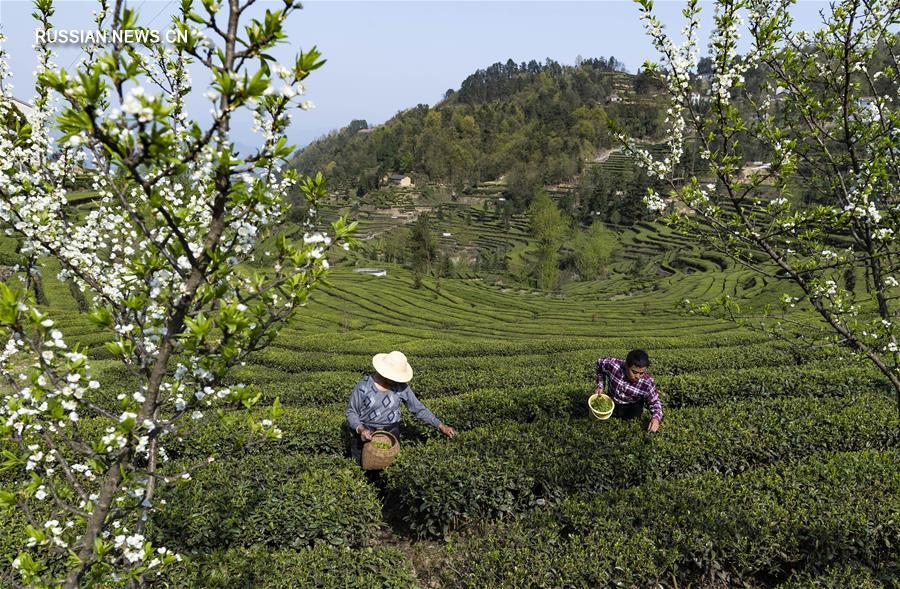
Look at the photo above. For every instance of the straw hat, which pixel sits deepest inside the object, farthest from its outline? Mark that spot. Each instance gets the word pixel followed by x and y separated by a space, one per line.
pixel 393 366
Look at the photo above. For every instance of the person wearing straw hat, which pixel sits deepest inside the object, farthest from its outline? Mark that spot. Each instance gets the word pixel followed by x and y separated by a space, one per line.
pixel 631 387
pixel 375 402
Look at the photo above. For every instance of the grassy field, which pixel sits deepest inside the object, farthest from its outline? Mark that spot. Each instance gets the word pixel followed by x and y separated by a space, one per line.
pixel 774 467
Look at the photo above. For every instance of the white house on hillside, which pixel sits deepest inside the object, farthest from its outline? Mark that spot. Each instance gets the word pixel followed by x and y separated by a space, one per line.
pixel 400 180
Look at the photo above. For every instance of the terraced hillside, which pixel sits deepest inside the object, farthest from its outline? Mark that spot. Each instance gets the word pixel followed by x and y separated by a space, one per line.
pixel 774 467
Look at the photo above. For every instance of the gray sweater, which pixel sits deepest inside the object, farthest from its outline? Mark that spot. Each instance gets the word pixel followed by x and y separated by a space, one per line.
pixel 377 409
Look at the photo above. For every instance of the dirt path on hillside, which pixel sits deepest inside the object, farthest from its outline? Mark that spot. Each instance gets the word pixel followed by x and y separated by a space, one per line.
pixel 405 220
pixel 604 154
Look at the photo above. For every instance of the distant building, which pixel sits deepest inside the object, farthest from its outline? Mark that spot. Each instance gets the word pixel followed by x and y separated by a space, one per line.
pixel 614 98
pixel 377 272
pixel 400 180
pixel 697 98
pixel 445 234
pixel 365 131
pixel 756 167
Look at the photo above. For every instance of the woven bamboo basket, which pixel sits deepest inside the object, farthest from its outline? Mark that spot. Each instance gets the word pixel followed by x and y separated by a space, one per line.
pixel 599 414
pixel 374 458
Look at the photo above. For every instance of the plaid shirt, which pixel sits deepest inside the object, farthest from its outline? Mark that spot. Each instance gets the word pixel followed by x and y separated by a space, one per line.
pixel 625 392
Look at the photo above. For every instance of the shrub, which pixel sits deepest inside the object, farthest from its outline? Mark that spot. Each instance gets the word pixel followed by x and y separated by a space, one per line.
pixel 841 576
pixel 534 552
pixel 808 513
pixel 8 258
pixel 304 431
pixel 492 406
pixel 12 533
pixel 280 502
pixel 321 566
pixel 816 379
pixel 584 455
pixel 702 530
pixel 436 496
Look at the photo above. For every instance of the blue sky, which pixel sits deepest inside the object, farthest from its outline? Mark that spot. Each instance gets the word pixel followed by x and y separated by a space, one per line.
pixel 384 57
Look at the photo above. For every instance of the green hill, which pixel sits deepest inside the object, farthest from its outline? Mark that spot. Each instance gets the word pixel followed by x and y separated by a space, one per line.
pixel 520 119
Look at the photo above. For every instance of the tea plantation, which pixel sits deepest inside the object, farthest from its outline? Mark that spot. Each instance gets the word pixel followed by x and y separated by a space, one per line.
pixel 774 466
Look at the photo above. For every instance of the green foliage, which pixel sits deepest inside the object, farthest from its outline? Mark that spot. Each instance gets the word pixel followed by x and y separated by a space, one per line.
pixel 602 405
pixel 594 249
pixel 286 501
pixel 481 407
pixel 437 490
pixel 12 531
pixel 815 379
pixel 322 566
pixel 549 459
pixel 10 258
pixel 522 183
pixel 613 192
pixel 767 521
pixel 422 249
pixel 535 122
pixel 305 431
pixel 531 491
pixel 839 576
pixel 753 529
pixel 548 227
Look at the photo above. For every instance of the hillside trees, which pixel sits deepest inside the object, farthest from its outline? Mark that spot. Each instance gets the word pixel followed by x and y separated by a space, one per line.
pixel 521 184
pixel 547 117
pixel 548 227
pixel 613 195
pixel 593 250
pixel 827 117
pixel 163 261
pixel 423 250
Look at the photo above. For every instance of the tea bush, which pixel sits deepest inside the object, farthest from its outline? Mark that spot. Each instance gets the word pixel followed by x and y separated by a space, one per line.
pixel 845 575
pixel 304 431
pixel 279 502
pixel 562 457
pixel 811 513
pixel 321 566
pixel 705 529
pixel 814 379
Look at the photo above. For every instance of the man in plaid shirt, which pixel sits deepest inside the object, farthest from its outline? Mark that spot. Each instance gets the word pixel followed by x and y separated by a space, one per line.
pixel 631 387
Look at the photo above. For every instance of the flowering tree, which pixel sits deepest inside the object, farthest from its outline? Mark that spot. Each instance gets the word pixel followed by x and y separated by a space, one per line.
pixel 164 259
pixel 822 107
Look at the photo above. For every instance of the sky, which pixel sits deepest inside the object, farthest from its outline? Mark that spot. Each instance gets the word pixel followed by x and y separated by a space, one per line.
pixel 386 56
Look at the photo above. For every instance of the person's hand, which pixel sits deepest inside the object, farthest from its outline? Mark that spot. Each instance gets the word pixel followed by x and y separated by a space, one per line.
pixel 447 430
pixel 598 391
pixel 365 433
pixel 654 425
